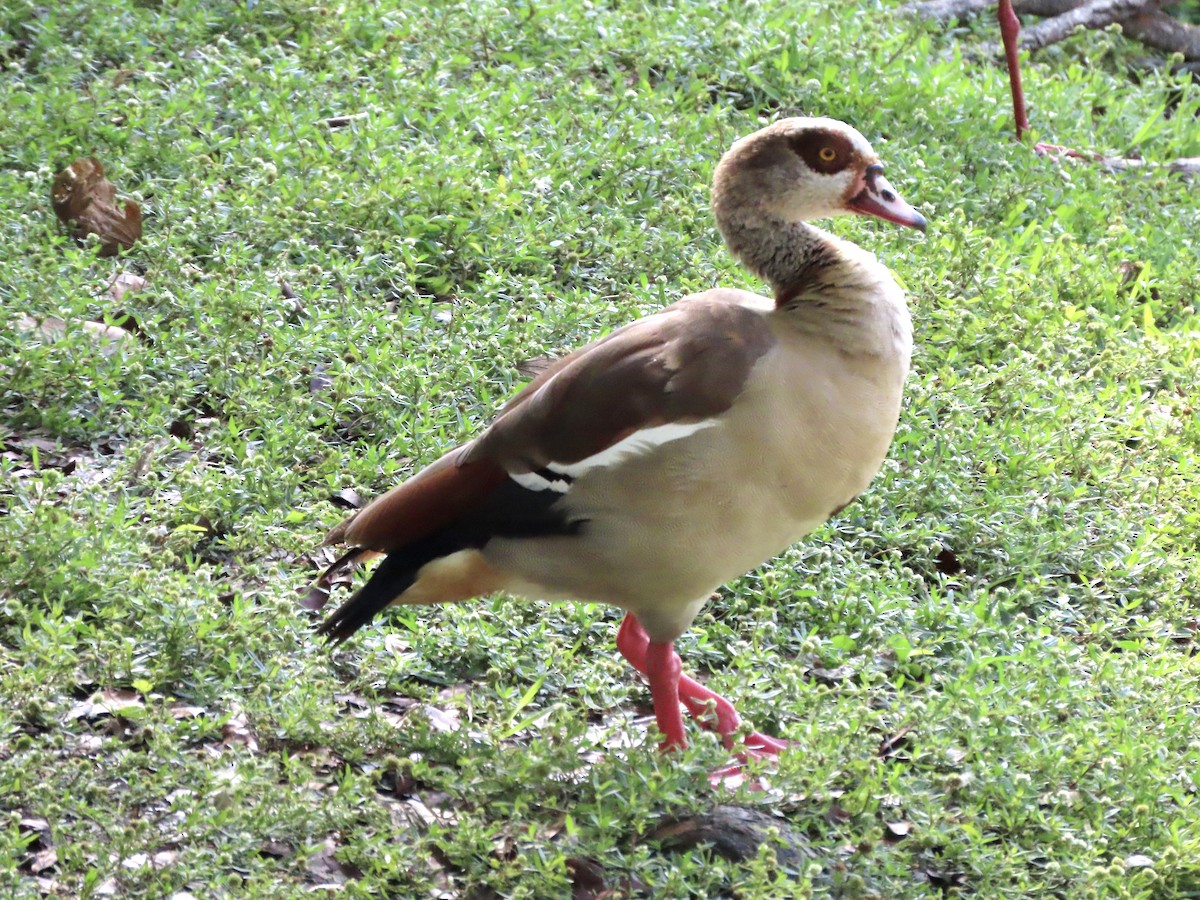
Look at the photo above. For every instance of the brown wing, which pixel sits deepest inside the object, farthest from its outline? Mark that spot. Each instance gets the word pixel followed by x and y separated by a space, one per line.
pixel 686 363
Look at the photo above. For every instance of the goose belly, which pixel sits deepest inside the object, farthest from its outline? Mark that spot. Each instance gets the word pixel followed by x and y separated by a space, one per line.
pixel 666 527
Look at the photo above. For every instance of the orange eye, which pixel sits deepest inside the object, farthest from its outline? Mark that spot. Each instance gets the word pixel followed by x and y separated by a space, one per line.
pixel 827 154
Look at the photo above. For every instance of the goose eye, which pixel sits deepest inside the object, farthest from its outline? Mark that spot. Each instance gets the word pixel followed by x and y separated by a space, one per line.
pixel 827 154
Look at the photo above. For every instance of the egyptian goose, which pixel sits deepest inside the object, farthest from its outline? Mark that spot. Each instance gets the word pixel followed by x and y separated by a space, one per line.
pixel 649 467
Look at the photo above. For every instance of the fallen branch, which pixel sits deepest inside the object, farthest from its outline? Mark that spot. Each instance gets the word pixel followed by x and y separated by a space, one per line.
pixel 1156 29
pixel 1058 7
pixel 1188 165
pixel 1093 14
pixel 943 10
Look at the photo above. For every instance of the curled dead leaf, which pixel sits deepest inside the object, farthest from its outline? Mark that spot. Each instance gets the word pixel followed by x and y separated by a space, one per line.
pixel 85 201
pixel 236 733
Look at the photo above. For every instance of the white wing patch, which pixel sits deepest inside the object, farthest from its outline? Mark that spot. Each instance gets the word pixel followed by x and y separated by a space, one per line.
pixel 558 477
pixel 537 481
pixel 636 444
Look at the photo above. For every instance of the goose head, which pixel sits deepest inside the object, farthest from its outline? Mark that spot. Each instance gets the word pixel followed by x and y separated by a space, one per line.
pixel 802 168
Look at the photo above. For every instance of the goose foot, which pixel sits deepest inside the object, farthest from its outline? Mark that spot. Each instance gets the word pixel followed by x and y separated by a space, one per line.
pixel 669 687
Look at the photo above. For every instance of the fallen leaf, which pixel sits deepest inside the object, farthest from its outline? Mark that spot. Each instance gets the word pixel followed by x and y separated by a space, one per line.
pixel 837 814
pixel 108 702
pixel 346 499
pixel 275 849
pixel 52 328
pixel 41 854
pixel 48 887
pixel 327 870
pixel 124 283
pixel 442 721
pixel 890 746
pixel 85 201
pixel 187 712
pixel 944 880
pixel 894 832
pixel 343 121
pixel 42 860
pixel 830 677
pixel 236 733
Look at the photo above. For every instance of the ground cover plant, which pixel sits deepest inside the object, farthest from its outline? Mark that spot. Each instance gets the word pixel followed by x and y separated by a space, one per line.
pixel 359 224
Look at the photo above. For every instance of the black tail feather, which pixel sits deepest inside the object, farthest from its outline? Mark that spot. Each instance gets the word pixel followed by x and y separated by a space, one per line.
pixel 391 578
pixel 511 511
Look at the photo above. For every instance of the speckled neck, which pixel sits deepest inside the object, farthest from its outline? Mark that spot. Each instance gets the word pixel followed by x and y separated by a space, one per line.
pixel 790 256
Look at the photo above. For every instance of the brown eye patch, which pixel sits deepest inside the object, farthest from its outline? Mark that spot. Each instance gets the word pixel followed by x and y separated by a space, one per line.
pixel 823 151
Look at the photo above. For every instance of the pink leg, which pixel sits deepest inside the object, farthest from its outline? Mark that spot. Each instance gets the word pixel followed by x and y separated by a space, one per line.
pixel 635 646
pixel 1010 30
pixel 662 668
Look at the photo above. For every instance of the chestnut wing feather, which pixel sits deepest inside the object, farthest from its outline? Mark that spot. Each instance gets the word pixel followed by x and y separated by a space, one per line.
pixel 686 363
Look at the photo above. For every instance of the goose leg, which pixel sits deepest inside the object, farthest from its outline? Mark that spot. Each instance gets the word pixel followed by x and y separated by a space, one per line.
pixel 1010 30
pixel 707 707
pixel 663 669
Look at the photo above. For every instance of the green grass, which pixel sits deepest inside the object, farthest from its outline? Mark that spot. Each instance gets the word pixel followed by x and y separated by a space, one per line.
pixel 1017 588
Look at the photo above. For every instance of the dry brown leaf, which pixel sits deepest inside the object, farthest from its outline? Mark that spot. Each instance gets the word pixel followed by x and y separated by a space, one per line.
pixel 52 328
pixel 124 283
pixel 236 733
pixel 85 201
pixel 187 712
pixel 108 702
pixel 42 860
